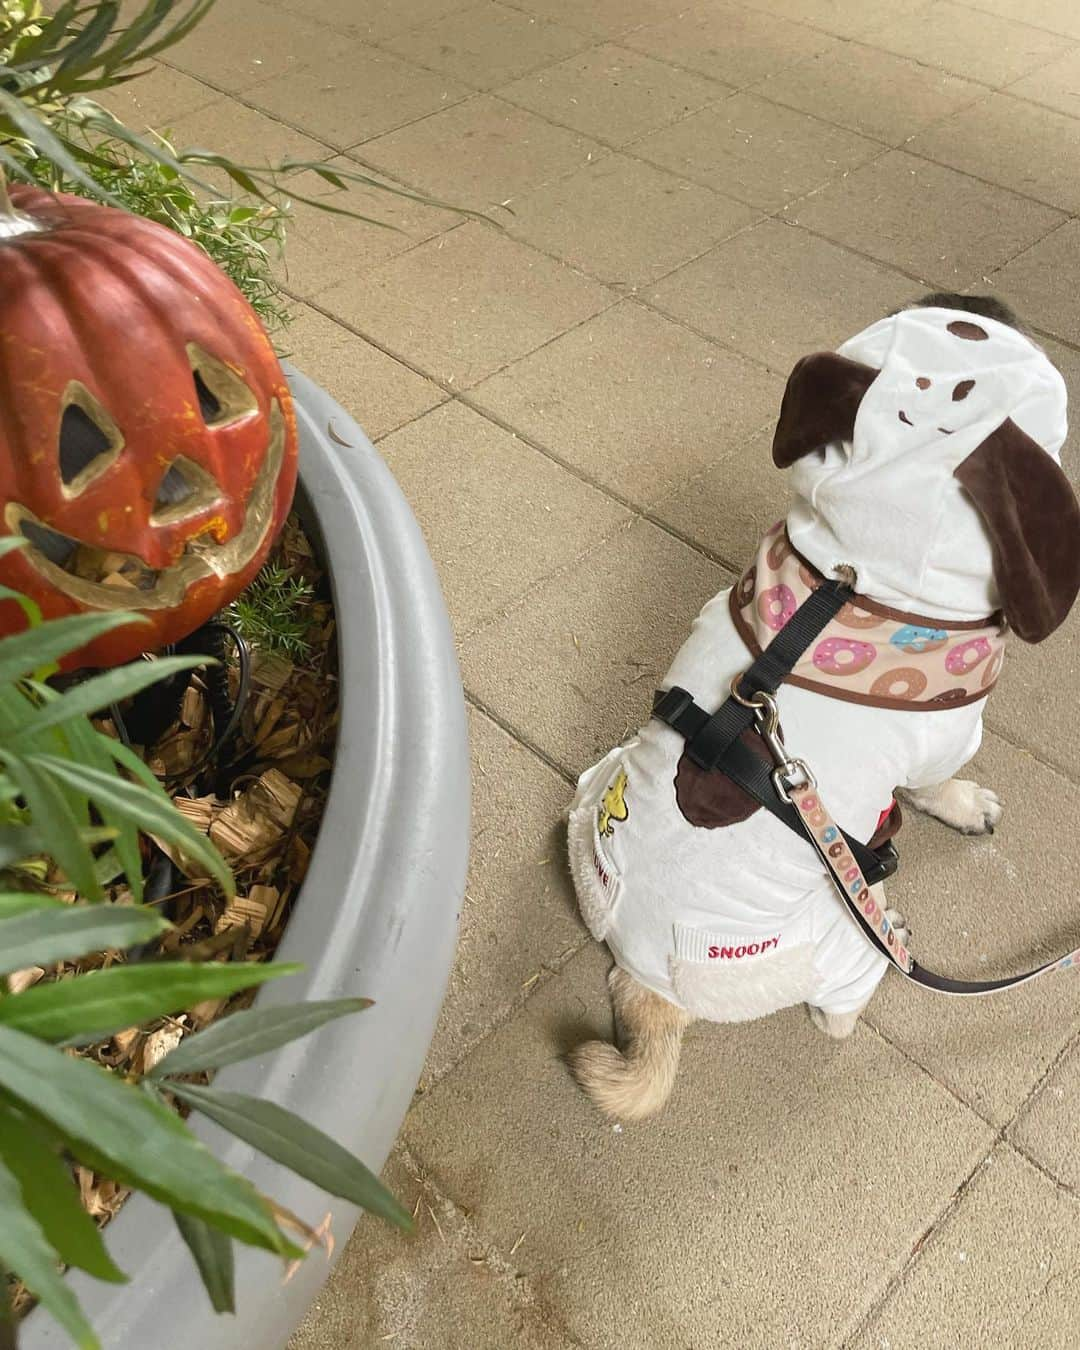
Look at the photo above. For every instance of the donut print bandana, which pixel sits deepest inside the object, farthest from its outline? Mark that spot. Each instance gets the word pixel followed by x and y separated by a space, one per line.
pixel 868 654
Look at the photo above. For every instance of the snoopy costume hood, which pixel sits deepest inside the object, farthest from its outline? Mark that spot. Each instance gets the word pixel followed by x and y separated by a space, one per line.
pixel 924 454
pixel 956 422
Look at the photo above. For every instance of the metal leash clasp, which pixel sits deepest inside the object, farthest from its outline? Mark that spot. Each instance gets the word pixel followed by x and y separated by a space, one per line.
pixel 789 773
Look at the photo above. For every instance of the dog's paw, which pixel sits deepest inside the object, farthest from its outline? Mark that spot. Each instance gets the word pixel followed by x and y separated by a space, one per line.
pixel 837 1026
pixel 961 804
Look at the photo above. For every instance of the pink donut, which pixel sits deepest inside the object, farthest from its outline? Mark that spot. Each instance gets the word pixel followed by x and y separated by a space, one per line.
pixel 843 656
pixel 963 659
pixel 776 606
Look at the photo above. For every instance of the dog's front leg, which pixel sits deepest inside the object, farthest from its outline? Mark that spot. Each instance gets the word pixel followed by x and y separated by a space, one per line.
pixel 636 1081
pixel 960 803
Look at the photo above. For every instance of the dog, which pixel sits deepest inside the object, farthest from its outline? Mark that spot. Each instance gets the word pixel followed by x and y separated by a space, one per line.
pixel 924 461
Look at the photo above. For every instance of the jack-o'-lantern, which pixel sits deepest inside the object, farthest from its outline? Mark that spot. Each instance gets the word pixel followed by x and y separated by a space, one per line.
pixel 147 436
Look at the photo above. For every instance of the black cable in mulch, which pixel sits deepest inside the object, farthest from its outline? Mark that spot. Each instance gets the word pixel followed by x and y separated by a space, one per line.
pixel 155 709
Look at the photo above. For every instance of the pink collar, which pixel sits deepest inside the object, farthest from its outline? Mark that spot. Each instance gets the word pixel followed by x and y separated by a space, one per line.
pixel 868 654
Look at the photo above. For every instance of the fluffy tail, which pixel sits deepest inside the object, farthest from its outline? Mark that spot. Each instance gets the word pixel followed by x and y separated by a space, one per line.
pixel 634 1084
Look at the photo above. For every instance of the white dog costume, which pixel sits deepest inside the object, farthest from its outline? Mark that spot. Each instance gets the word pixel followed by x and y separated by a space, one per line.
pixel 925 457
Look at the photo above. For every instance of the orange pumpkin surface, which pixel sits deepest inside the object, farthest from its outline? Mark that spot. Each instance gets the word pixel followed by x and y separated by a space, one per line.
pixel 147 435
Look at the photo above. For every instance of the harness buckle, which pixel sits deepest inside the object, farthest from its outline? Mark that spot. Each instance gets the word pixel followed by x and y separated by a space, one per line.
pixel 789 773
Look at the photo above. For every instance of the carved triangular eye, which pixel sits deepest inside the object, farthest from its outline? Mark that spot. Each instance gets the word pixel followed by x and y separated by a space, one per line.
pixel 88 442
pixel 222 395
pixel 185 490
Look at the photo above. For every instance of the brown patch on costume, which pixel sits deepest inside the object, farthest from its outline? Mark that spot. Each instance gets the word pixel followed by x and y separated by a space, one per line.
pixel 905 418
pixel 923 382
pixel 962 390
pixel 1033 519
pixel 889 827
pixel 970 331
pixel 820 404
pixel 709 799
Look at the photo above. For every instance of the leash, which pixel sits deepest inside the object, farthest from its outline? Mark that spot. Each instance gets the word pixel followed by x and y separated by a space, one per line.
pixel 789 790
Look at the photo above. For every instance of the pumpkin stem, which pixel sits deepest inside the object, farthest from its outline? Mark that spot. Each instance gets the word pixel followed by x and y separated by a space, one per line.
pixel 13 223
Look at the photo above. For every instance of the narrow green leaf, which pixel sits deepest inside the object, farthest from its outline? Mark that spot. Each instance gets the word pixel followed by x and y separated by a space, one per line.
pixel 26 902
pixel 19 842
pixel 98 692
pixel 25 1251
pixel 251 1032
pixel 133 1139
pixel 83 1009
pixel 28 607
pixel 79 56
pixel 10 542
pixel 45 936
pixel 26 652
pixel 84 746
pixel 55 820
pixel 50 1194
pixel 213 1255
pixel 296 1145
pixel 152 811
pixel 31 125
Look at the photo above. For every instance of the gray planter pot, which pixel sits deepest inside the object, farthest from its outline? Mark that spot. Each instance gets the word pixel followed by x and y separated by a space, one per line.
pixel 377 914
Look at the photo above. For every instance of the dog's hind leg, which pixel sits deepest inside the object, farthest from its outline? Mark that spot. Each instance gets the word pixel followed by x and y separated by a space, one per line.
pixel 960 803
pixel 636 1081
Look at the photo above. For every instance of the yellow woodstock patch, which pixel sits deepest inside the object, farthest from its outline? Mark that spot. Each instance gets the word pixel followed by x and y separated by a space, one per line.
pixel 613 806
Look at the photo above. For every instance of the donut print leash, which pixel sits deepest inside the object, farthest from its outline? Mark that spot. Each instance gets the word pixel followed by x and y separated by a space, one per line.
pixel 790 791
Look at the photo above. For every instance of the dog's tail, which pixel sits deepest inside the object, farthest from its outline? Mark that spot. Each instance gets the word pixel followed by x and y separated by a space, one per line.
pixel 634 1084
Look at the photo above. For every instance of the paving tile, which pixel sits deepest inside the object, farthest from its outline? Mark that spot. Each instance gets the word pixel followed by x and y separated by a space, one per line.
pixel 520 917
pixel 497 515
pixel 728 507
pixel 235 51
pixel 322 247
pixel 613 94
pixel 157 98
pixel 1058 16
pixel 488 44
pixel 480 153
pixel 742 294
pixel 436 1288
pixel 870 91
pixel 725 1221
pixel 633 401
pixel 625 222
pixel 756 151
pixel 1057 85
pixel 374 20
pixel 602 18
pixel 727 42
pixel 462 306
pixel 244 135
pixel 1000 1271
pixel 1035 704
pixel 379 392
pixel 1047 1129
pixel 1008 141
pixel 980 908
pixel 980 47
pixel 1042 281
pixel 941 225
pixel 355 94
pixel 845 18
pixel 572 670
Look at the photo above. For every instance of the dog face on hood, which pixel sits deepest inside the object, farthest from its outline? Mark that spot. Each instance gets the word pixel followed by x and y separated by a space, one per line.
pixel 925 455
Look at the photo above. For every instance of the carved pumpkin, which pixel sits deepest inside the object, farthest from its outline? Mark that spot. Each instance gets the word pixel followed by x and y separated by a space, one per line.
pixel 147 436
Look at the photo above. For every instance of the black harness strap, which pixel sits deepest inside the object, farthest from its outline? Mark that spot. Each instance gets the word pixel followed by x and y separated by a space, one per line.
pixel 712 742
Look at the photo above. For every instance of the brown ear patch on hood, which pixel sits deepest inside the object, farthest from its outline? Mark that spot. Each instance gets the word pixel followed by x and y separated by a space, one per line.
pixel 961 328
pixel 1033 519
pixel 820 404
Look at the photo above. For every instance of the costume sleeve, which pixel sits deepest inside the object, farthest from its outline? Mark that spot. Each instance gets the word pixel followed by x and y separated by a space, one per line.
pixel 943 755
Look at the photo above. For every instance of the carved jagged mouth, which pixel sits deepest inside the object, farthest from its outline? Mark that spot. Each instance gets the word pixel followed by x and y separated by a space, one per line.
pixel 104 579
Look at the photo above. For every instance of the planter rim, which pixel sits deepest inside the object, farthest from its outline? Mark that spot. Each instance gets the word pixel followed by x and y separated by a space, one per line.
pixel 393 841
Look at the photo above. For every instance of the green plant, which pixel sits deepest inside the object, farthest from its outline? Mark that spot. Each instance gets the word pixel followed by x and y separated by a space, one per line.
pixel 52 131
pixel 272 612
pixel 71 793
